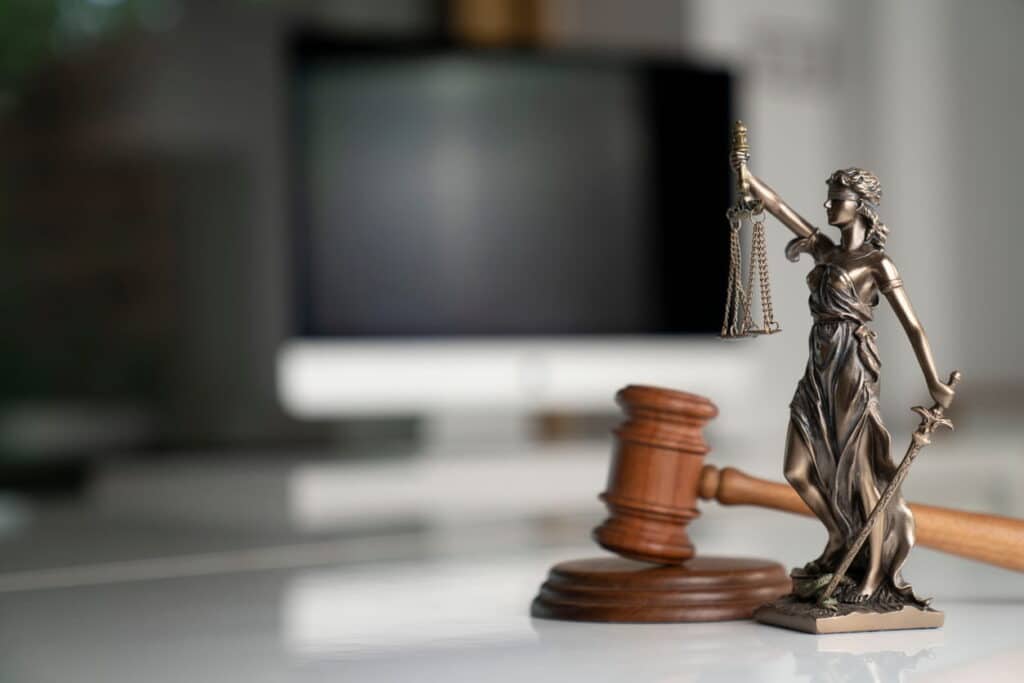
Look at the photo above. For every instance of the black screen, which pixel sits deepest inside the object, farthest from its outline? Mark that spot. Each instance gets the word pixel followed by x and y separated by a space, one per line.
pixel 462 193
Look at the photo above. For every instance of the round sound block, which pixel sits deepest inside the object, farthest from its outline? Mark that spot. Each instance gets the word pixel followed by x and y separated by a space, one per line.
pixel 614 589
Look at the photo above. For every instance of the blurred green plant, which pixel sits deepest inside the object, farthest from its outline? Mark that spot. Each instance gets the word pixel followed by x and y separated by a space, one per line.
pixel 35 32
pixel 26 39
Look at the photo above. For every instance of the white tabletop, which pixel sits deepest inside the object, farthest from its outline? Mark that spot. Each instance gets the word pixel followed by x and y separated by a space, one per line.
pixel 443 605
pixel 227 584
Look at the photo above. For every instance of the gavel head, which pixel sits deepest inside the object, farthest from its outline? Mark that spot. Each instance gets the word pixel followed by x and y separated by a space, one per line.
pixel 655 473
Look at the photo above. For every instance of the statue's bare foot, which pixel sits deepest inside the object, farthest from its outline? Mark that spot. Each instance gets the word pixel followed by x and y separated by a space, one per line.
pixel 833 552
pixel 828 559
pixel 866 589
pixel 810 570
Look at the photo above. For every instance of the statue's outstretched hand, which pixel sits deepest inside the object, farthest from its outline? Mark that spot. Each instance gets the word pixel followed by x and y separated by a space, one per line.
pixel 942 394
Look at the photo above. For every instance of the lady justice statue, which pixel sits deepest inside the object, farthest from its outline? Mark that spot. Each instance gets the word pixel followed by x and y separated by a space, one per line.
pixel 837 454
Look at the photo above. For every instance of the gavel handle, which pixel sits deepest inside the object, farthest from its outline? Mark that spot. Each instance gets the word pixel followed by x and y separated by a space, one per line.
pixel 987 538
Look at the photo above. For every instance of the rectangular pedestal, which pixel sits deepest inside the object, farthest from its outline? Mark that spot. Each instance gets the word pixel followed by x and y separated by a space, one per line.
pixel 812 619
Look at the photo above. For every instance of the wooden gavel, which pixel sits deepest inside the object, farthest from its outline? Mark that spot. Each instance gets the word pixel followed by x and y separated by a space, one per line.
pixel 986 538
pixel 658 473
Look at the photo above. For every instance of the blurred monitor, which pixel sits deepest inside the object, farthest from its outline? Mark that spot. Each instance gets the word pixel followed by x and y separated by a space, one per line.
pixel 501 229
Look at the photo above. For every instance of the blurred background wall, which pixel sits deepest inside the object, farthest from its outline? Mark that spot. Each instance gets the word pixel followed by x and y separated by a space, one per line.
pixel 924 94
pixel 146 194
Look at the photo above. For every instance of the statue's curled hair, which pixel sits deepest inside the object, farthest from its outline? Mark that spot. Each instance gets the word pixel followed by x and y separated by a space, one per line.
pixel 869 189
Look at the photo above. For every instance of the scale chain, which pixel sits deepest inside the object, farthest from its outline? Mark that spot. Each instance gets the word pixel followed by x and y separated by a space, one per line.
pixel 738 320
pixel 736 300
pixel 748 321
pixel 760 252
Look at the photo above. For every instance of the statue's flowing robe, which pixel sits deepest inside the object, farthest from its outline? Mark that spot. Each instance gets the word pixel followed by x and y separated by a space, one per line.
pixel 835 411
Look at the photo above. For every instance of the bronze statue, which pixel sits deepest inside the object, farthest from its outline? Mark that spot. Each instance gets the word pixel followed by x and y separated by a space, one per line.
pixel 837 453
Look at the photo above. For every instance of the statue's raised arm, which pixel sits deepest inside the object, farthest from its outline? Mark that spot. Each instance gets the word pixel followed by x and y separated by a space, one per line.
pixel 751 188
pixel 775 205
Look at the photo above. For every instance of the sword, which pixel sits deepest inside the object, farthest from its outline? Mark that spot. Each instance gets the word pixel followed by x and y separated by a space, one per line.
pixel 931 419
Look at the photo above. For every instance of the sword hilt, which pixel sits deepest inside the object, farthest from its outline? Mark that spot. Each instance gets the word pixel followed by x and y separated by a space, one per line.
pixel 934 417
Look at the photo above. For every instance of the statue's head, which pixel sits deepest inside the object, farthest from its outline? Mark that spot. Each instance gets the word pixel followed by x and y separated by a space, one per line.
pixel 853 192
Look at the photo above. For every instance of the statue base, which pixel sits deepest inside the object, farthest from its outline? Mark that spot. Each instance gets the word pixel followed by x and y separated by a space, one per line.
pixel 808 617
